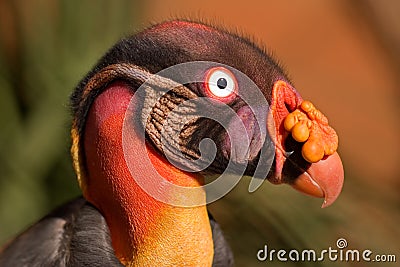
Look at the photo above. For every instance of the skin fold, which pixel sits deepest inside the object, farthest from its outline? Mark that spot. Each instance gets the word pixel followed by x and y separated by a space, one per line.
pixel 120 109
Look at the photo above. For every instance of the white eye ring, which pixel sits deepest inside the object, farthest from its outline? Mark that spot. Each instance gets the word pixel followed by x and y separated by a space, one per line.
pixel 220 83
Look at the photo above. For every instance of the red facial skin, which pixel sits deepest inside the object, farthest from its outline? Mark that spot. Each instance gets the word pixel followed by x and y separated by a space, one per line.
pixel 144 231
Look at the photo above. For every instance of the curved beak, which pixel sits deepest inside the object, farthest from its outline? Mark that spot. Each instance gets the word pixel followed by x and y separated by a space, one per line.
pixel 318 169
pixel 322 179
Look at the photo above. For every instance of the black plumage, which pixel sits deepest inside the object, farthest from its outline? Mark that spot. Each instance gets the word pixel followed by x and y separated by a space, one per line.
pixel 79 233
pixel 76 234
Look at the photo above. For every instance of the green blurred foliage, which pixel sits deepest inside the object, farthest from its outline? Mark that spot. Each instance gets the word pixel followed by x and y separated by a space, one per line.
pixel 46 47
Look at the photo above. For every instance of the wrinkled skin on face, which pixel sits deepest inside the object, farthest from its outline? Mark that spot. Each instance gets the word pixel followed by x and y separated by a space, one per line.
pixel 296 162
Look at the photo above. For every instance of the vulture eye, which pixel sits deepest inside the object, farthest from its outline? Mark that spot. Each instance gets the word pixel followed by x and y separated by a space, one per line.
pixel 220 83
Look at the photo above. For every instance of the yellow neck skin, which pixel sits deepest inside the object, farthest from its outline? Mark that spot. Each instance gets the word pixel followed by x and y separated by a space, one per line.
pixel 144 231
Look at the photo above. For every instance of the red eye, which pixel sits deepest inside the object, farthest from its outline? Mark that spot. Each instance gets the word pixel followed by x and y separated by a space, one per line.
pixel 220 83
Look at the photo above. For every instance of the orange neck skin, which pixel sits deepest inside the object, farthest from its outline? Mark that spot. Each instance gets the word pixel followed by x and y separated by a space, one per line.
pixel 144 231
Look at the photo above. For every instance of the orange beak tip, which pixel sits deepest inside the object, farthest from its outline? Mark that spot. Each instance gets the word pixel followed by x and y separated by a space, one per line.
pixel 323 179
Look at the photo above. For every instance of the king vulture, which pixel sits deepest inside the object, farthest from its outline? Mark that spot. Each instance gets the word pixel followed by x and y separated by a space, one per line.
pixel 160 112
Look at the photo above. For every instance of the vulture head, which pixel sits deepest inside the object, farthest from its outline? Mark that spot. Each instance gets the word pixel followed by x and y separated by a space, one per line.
pixel 182 100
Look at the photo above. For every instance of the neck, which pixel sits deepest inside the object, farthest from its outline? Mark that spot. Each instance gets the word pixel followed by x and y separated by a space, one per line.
pixel 144 231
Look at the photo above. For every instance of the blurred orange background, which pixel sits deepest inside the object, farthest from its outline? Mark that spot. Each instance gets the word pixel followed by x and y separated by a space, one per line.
pixel 344 56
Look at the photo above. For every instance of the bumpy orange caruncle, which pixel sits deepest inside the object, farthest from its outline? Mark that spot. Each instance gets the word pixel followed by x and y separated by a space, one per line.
pixel 307 124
